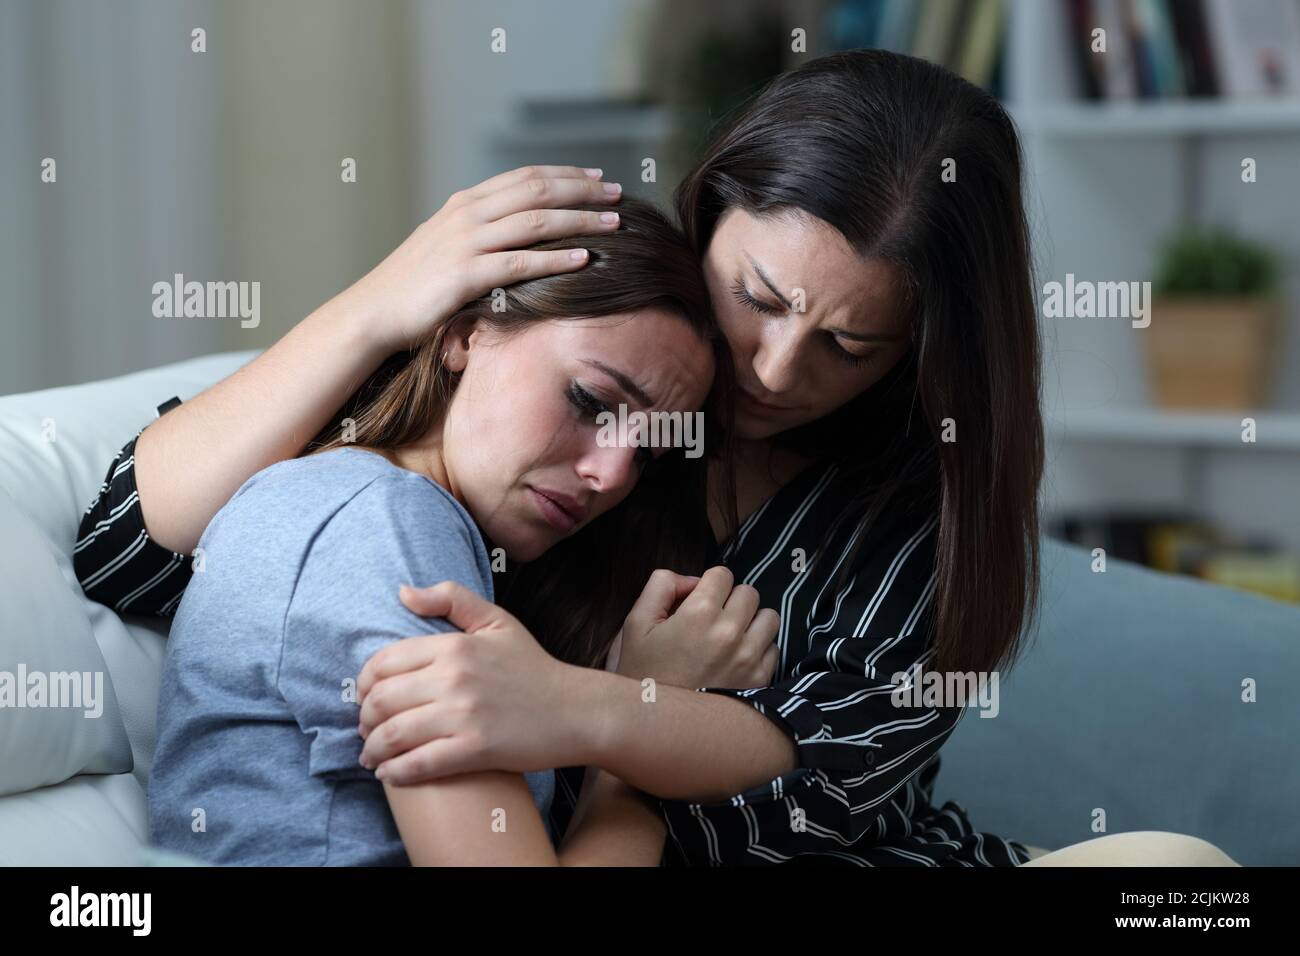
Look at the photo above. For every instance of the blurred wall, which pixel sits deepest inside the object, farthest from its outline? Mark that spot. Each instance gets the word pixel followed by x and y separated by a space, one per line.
pixel 222 165
pixel 562 50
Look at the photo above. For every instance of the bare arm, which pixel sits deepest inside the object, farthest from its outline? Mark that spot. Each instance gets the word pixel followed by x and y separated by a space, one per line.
pixel 663 737
pixel 685 745
pixel 448 821
pixel 190 461
pixel 489 819
pixel 612 825
pixel 491 682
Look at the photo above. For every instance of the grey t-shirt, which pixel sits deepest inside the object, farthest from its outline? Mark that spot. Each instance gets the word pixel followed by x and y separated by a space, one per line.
pixel 256 760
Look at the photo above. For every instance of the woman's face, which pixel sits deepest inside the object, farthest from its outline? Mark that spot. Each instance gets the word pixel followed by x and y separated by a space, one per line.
pixel 811 324
pixel 519 440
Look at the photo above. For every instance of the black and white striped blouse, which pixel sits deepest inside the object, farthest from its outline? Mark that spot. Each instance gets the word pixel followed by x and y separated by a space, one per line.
pixel 862 793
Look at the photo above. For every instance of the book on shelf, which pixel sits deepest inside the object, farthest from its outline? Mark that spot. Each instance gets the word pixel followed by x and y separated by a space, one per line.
pixel 897 25
pixel 976 56
pixel 1089 61
pixel 936 30
pixel 1192 38
pixel 1152 49
pixel 1177 49
pixel 1178 543
pixel 1257 45
pixel 1272 575
pixel 1118 74
pixel 1165 55
pixel 967 36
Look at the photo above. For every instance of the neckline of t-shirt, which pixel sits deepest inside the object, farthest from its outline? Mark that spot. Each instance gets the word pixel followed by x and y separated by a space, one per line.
pixel 406 471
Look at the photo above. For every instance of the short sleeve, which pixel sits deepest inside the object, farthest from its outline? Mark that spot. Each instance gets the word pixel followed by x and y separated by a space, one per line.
pixel 397 530
pixel 116 562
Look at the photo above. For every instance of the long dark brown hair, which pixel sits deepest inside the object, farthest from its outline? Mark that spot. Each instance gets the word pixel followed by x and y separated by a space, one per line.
pixel 574 597
pixel 859 140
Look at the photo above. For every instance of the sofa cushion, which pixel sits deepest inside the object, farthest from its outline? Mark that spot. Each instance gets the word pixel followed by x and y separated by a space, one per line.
pixel 57 443
pixel 1130 700
pixel 85 821
pixel 55 446
pixel 58 713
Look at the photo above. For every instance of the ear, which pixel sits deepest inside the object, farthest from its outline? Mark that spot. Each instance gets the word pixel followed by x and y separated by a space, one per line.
pixel 456 345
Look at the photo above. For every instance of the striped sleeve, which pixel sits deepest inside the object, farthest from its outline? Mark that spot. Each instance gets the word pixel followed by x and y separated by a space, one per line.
pixel 857 747
pixel 115 560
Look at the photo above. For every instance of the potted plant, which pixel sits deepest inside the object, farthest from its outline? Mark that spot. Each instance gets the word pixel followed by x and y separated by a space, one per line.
pixel 1215 322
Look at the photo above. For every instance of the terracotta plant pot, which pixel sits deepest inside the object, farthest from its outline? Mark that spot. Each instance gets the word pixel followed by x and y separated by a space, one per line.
pixel 1212 353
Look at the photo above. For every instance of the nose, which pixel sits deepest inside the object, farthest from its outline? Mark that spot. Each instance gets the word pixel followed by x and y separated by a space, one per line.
pixel 608 471
pixel 776 360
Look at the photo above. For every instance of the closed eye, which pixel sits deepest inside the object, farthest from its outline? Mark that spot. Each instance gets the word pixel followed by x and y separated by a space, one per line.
pixel 742 296
pixel 590 406
pixel 844 355
pixel 585 402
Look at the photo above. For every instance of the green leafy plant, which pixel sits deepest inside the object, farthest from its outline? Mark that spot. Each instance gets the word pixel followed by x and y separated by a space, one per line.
pixel 1215 262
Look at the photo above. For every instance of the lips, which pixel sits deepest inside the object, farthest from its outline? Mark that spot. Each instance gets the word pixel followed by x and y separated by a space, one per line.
pixel 762 405
pixel 562 512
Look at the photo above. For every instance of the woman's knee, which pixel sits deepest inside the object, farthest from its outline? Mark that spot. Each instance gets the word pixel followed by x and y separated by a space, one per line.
pixel 1138 848
pixel 1180 849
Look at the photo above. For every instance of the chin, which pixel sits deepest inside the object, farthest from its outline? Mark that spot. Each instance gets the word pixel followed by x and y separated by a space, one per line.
pixel 525 548
pixel 756 429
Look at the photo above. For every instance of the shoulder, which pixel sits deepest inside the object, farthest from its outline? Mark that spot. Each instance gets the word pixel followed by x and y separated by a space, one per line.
pixel 897 545
pixel 353 483
pixel 389 513
pixel 847 507
pixel 857 540
pixel 368 517
pixel 371 486
pixel 337 473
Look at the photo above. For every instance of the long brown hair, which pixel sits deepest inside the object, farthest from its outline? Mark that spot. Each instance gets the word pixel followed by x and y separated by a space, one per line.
pixel 859 140
pixel 574 597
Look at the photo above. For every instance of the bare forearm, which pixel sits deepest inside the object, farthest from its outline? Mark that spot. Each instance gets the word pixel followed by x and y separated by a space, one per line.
pixel 613 825
pixel 683 744
pixel 476 819
pixel 190 461
pixel 488 819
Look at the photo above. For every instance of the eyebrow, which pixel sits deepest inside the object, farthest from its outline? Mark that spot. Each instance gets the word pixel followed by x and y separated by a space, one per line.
pixel 842 333
pixel 625 383
pixel 865 336
pixel 767 281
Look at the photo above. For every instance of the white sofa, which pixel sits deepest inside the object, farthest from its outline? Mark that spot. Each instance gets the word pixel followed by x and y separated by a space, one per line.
pixel 72 781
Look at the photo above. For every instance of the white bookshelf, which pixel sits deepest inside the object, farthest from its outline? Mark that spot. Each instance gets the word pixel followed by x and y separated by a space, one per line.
pixel 1157 427
pixel 1043 91
pixel 1106 182
pixel 1158 119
